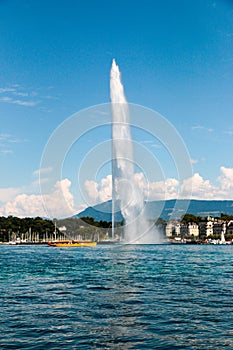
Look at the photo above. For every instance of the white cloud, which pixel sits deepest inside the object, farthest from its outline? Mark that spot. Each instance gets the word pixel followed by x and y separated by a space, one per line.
pixel 195 187
pixel 97 193
pixel 22 94
pixel 5 151
pixel 91 189
pixel 8 138
pixel 42 171
pixel 24 205
pixel 200 188
pixel 155 145
pixel 151 143
pixel 203 189
pixel 7 194
pixel 229 132
pixel 25 103
pixel 18 95
pixel 40 176
pixel 7 89
pixel 59 203
pixel 159 190
pixel 226 179
pixel 18 102
pixel 6 141
pixel 101 192
pixel 201 127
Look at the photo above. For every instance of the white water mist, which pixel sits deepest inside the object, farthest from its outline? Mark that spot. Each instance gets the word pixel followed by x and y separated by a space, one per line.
pixel 124 186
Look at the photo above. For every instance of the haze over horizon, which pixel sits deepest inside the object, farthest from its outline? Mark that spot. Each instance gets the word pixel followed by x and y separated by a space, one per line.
pixel 175 58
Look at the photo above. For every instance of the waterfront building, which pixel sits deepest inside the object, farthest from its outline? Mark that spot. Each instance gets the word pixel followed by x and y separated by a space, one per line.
pixel 213 226
pixel 206 226
pixel 219 227
pixel 229 228
pixel 190 229
pixel 172 228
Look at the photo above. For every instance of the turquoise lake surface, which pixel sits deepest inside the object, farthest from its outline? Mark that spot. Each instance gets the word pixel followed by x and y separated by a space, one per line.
pixel 117 297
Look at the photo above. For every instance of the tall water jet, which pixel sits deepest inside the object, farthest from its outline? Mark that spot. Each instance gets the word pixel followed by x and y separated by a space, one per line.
pixel 124 187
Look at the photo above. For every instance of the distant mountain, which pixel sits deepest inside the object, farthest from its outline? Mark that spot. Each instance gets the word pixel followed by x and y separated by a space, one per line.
pixel 102 212
pixel 169 209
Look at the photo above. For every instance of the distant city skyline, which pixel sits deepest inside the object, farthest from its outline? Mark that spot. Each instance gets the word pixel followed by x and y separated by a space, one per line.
pixel 175 58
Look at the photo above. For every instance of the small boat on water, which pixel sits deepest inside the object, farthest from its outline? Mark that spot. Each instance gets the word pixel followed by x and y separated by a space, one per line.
pixel 11 243
pixel 67 243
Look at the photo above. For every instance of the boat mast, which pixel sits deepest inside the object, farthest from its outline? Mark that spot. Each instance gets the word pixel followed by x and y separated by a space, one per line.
pixel 55 231
pixel 113 200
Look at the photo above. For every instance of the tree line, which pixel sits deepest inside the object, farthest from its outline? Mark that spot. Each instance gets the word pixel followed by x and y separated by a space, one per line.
pixel 37 228
pixel 18 226
pixel 187 218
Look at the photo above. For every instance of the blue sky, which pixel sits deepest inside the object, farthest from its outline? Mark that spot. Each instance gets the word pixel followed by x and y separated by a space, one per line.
pixel 176 57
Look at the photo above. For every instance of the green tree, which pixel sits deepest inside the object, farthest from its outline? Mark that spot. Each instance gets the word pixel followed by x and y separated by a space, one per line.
pixel 190 218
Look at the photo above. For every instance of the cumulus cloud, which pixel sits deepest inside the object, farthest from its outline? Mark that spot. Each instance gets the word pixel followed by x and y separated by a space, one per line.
pixel 157 190
pixel 98 192
pixel 200 188
pixel 226 180
pixel 7 194
pixel 57 204
pixel 160 190
pixel 60 202
pixel 195 187
pixel 203 189
pixel 24 205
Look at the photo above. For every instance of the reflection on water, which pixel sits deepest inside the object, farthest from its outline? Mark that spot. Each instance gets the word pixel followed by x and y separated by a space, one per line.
pixel 127 297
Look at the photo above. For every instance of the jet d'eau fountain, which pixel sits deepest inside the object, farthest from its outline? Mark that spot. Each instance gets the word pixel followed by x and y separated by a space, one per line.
pixel 124 187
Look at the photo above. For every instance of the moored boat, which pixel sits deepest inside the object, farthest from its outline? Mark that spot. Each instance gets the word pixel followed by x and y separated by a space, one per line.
pixel 67 243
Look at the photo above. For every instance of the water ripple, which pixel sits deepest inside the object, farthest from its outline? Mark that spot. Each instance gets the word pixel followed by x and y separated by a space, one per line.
pixel 130 297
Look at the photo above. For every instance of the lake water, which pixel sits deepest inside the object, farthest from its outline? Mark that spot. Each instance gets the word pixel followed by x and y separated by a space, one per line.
pixel 109 297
